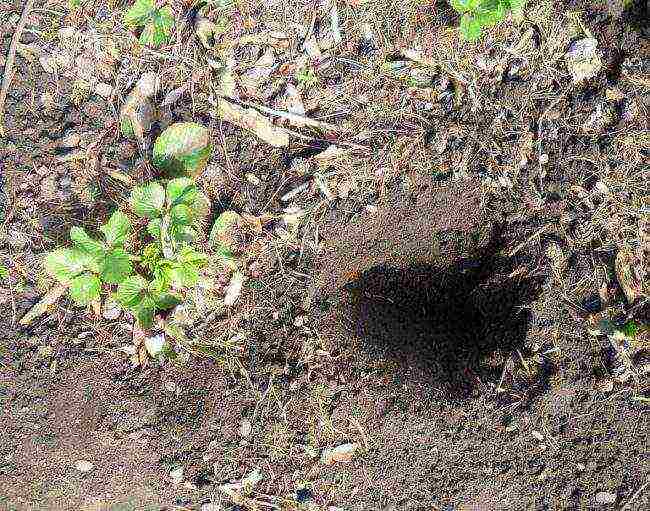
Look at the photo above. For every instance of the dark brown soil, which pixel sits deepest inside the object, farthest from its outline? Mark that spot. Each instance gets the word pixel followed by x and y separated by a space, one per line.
pixel 422 315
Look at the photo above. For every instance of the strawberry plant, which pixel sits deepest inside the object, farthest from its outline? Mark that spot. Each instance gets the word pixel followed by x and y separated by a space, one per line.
pixel 157 277
pixel 168 265
pixel 156 22
pixel 477 14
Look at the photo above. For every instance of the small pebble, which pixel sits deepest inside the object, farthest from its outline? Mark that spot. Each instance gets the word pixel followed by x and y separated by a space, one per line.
pixel 104 90
pixel 111 310
pixel 177 475
pixel 537 435
pixel 245 428
pixel 543 158
pixel 84 466
pixel 210 506
pixel 342 454
pixel 604 497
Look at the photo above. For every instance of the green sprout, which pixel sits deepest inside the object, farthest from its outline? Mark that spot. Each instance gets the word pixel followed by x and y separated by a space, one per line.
pixel 156 22
pixel 170 265
pixel 477 14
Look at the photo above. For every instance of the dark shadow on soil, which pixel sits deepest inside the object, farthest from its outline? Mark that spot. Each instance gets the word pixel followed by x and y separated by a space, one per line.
pixel 450 328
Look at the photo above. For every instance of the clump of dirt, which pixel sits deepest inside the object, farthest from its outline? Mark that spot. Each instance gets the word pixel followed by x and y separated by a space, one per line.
pixel 425 283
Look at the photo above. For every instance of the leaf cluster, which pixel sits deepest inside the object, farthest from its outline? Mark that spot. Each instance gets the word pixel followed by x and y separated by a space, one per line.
pixel 91 262
pixel 477 14
pixel 169 264
pixel 156 22
pixel 156 278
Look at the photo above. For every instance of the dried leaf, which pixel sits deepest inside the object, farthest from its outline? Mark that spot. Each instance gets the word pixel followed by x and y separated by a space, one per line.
pixel 251 120
pixel 627 268
pixel 234 289
pixel 50 298
pixel 341 454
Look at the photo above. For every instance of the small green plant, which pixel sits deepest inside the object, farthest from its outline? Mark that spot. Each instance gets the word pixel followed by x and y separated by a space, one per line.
pixel 156 22
pixel 306 77
pixel 157 277
pixel 90 263
pixel 477 14
pixel 4 272
pixel 169 265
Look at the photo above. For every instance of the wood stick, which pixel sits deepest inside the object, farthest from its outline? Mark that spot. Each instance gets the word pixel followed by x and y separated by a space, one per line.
pixel 11 58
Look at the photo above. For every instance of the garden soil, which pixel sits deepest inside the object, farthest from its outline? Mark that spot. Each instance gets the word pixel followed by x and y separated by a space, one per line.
pixel 428 313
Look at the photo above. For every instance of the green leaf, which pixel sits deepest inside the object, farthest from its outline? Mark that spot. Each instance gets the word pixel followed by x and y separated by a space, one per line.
pixel 85 243
pixel 116 229
pixel 85 288
pixel 4 272
pixel 162 278
pixel 517 5
pixel 184 233
pixel 183 149
pixel 153 228
pixel 166 301
pixel 66 263
pixel 181 215
pixel 184 275
pixel 147 201
pixel 144 311
pixel 470 27
pixel 157 32
pixel 463 6
pixel 188 255
pixel 181 191
pixel 139 12
pixel 115 266
pixel 130 291
pixel 224 229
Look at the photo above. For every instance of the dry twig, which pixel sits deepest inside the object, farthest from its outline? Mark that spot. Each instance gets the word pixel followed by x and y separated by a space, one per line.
pixel 11 57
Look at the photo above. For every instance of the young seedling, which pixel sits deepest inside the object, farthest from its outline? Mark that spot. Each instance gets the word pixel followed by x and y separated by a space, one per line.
pixel 89 265
pixel 169 264
pixel 477 14
pixel 156 22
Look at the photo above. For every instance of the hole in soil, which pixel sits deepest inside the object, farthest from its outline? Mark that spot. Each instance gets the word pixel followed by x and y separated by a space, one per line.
pixel 453 327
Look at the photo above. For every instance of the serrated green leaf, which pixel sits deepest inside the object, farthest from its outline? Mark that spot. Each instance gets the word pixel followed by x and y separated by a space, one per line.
pixel 157 32
pixel 166 301
pixel 148 200
pixel 66 263
pixel 131 290
pixel 463 6
pixel 115 266
pixel 181 215
pixel 85 288
pixel 144 311
pixel 83 242
pixel 162 278
pixel 153 228
pixel 151 256
pixel 184 275
pixel 189 255
pixel 184 234
pixel 116 229
pixel 517 5
pixel 139 12
pixel 181 191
